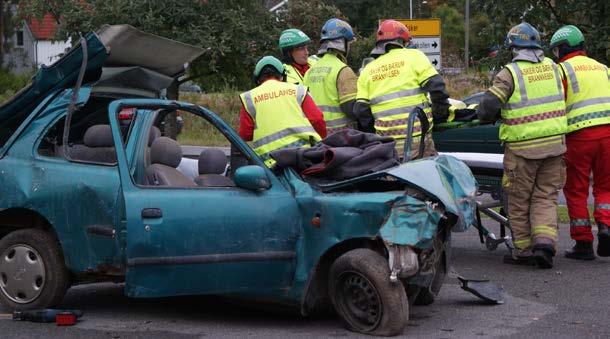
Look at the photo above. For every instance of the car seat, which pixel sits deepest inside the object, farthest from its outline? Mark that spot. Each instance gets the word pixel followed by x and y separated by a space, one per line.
pixel 165 156
pixel 212 164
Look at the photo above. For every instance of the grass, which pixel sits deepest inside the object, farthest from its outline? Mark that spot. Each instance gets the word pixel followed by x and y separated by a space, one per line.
pixel 198 132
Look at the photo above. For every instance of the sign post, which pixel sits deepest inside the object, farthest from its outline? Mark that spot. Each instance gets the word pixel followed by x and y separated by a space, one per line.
pixel 426 35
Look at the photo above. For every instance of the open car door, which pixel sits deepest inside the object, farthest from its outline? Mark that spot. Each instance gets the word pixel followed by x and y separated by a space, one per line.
pixel 187 239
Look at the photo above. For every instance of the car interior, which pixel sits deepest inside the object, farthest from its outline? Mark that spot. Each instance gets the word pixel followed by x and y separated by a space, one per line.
pixel 165 162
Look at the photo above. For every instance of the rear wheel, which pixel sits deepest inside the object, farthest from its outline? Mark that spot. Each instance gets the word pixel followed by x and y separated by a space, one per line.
pixel 32 270
pixel 362 294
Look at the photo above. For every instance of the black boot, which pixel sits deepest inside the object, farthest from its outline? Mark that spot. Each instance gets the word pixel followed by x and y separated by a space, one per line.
pixel 519 260
pixel 603 240
pixel 582 250
pixel 543 255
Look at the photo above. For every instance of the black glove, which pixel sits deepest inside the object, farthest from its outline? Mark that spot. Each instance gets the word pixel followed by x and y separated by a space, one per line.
pixel 440 112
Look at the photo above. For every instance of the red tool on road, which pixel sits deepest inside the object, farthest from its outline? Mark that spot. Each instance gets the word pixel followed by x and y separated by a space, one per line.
pixel 60 317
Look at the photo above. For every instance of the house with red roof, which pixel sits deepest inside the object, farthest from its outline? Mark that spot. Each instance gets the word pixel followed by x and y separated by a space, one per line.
pixel 34 45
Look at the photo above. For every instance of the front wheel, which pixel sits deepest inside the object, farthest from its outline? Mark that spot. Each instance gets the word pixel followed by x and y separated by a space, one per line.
pixel 32 270
pixel 363 296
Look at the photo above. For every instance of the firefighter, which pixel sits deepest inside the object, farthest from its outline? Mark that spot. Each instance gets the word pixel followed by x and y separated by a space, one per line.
pixel 527 97
pixel 587 93
pixel 331 81
pixel 276 114
pixel 295 55
pixel 391 86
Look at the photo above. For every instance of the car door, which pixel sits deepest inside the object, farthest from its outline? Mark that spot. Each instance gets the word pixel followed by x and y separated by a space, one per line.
pixel 204 240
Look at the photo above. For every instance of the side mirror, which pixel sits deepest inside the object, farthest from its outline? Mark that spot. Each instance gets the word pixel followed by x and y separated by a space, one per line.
pixel 252 177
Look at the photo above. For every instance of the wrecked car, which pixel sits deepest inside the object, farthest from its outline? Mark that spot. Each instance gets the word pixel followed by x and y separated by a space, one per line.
pixel 92 189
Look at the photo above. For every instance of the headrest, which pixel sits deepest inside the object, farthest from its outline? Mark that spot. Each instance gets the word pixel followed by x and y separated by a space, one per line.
pixel 212 161
pixel 98 136
pixel 154 133
pixel 165 151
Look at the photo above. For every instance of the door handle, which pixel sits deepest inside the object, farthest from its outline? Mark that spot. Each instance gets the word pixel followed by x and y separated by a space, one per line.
pixel 152 213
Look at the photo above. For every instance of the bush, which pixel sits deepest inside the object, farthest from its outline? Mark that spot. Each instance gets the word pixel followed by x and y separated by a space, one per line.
pixel 11 84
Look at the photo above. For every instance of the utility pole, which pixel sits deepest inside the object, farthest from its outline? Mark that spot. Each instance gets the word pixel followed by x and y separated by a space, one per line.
pixel 410 9
pixel 466 34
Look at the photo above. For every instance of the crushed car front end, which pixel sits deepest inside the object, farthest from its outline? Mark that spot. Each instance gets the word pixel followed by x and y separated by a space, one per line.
pixel 405 214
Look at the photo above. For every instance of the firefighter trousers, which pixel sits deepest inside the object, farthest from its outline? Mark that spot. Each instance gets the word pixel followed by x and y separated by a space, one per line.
pixel 532 187
pixel 583 158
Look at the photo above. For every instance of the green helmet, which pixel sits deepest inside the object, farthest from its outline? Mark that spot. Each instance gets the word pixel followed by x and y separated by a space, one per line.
pixel 292 38
pixel 268 65
pixel 570 35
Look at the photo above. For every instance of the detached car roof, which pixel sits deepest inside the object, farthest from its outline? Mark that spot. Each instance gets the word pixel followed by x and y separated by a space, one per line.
pixel 111 46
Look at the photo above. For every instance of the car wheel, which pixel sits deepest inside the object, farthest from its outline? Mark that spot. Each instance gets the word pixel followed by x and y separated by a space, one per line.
pixel 32 270
pixel 363 296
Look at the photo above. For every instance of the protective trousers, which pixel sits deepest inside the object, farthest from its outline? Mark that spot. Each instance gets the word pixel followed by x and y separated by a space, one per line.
pixel 582 158
pixel 532 187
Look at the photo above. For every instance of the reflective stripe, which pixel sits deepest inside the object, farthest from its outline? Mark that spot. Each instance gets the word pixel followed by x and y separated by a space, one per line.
pixel 332 109
pixel 395 95
pixel 572 76
pixel 521 82
pixel 558 81
pixel 250 105
pixel 588 116
pixel 580 223
pixel 536 142
pixel 397 111
pixel 588 102
pixel 282 134
pixel 544 230
pixel 537 101
pixel 522 244
pixel 338 122
pixel 534 117
pixel 602 207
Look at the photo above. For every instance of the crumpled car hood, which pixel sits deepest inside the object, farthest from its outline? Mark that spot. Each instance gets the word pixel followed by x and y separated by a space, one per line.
pixel 446 178
pixel 414 222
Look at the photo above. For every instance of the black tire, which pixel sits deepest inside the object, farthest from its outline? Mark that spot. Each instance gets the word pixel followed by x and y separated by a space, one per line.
pixel 363 296
pixel 44 254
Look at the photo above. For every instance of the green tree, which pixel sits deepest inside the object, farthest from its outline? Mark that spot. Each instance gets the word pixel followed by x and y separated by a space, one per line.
pixel 591 16
pixel 452 25
pixel 236 33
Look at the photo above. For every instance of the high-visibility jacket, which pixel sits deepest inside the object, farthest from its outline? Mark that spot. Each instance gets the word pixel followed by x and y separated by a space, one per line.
pixel 321 79
pixel 588 92
pixel 536 108
pixel 293 76
pixel 392 86
pixel 275 108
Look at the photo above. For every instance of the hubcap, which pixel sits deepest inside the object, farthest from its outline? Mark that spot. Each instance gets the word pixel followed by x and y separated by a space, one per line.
pixel 359 301
pixel 22 273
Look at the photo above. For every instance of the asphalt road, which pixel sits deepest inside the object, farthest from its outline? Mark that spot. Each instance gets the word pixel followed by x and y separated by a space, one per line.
pixel 569 301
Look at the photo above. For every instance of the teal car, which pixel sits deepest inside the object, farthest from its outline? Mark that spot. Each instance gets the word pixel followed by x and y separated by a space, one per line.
pixel 94 188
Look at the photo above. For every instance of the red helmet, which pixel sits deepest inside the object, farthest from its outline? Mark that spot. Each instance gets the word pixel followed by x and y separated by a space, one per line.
pixel 392 30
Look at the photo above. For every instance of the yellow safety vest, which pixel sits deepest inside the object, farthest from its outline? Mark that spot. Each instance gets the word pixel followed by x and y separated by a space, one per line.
pixel 588 93
pixel 279 121
pixel 392 86
pixel 536 108
pixel 322 82
pixel 293 76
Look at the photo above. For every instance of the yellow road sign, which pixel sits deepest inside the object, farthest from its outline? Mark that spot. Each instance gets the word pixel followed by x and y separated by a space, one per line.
pixel 423 27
